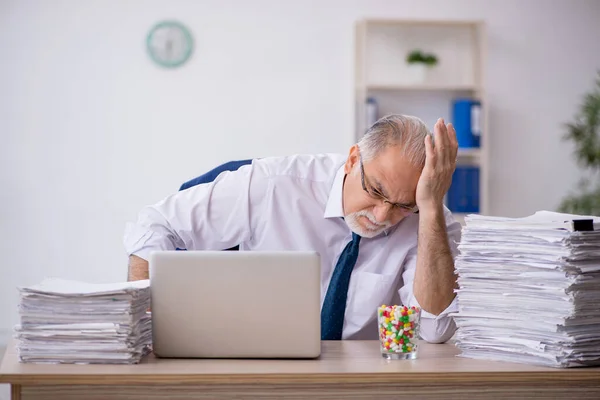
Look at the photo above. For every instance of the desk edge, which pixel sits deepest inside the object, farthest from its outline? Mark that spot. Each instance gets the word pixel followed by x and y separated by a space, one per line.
pixel 538 377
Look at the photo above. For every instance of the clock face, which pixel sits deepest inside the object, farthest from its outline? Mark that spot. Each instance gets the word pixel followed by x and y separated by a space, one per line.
pixel 169 44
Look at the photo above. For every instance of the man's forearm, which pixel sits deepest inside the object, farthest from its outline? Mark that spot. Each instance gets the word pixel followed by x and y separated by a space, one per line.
pixel 435 280
pixel 138 269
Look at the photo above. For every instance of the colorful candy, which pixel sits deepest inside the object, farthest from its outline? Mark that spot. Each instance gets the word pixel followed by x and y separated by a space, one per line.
pixel 397 326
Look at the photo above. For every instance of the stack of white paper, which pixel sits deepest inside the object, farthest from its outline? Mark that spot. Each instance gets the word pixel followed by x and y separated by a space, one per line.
pixel 529 290
pixel 73 322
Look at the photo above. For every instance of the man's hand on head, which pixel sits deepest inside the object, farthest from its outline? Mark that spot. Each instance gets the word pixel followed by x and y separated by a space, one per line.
pixel 434 280
pixel 440 163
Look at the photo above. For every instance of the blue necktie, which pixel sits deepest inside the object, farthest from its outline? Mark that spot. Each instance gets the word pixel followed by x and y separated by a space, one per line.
pixel 334 306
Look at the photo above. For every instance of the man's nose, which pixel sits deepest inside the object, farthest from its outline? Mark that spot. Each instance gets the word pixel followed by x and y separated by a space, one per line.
pixel 381 212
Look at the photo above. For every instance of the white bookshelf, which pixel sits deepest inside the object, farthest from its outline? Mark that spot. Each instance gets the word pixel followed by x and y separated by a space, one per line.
pixel 381 72
pixel 426 87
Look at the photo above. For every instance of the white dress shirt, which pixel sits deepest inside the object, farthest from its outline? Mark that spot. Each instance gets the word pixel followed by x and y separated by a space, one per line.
pixel 295 203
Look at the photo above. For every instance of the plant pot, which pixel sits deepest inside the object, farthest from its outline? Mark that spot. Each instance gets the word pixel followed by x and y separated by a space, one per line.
pixel 416 73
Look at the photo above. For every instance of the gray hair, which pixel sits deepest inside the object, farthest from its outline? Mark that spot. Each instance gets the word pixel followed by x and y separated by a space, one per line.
pixel 406 131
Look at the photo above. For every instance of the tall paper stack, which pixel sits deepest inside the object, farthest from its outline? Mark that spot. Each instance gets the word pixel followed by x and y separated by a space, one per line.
pixel 73 322
pixel 529 289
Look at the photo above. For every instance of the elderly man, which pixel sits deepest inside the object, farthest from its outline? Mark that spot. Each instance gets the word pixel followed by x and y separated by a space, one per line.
pixel 376 217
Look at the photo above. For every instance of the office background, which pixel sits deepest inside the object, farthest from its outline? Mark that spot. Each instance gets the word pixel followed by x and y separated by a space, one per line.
pixel 92 130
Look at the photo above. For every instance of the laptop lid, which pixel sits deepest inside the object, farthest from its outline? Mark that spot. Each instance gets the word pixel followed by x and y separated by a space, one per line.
pixel 235 304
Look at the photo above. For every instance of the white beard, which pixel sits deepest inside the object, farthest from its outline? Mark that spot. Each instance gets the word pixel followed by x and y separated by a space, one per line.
pixel 375 228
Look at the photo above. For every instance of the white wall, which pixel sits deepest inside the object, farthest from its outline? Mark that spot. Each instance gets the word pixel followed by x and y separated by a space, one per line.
pixel 92 131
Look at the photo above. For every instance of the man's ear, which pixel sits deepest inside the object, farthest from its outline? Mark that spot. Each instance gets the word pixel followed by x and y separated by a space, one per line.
pixel 353 159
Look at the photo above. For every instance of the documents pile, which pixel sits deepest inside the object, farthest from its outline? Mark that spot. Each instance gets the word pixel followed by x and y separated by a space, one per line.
pixel 65 321
pixel 529 289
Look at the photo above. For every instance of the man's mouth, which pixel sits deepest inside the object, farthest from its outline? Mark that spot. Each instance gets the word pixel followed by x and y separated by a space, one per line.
pixel 370 225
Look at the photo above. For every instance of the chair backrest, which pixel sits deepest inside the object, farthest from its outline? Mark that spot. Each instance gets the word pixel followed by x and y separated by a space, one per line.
pixel 213 173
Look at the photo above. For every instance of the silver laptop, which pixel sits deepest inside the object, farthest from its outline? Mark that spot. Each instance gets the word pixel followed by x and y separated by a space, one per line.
pixel 235 304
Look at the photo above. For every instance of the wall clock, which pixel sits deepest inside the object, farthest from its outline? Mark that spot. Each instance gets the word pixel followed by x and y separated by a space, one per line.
pixel 169 44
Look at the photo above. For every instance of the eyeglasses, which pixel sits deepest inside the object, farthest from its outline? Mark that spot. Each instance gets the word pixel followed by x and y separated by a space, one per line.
pixel 376 195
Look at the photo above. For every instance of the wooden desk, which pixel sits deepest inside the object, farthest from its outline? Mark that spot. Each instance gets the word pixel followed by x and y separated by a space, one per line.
pixel 348 370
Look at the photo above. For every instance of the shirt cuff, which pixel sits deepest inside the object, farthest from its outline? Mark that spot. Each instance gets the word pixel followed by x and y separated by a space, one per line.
pixel 437 328
pixel 452 308
pixel 140 241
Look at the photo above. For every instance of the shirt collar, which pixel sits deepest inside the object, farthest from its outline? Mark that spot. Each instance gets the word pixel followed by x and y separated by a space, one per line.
pixel 335 207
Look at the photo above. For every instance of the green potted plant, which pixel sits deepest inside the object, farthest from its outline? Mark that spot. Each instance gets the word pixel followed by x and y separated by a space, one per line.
pixel 584 132
pixel 419 63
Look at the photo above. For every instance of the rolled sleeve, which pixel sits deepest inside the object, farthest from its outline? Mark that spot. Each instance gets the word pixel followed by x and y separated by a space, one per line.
pixel 440 328
pixel 432 329
pixel 211 216
pixel 140 240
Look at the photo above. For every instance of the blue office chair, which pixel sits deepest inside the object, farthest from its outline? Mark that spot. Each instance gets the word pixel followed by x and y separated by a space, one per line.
pixel 212 175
